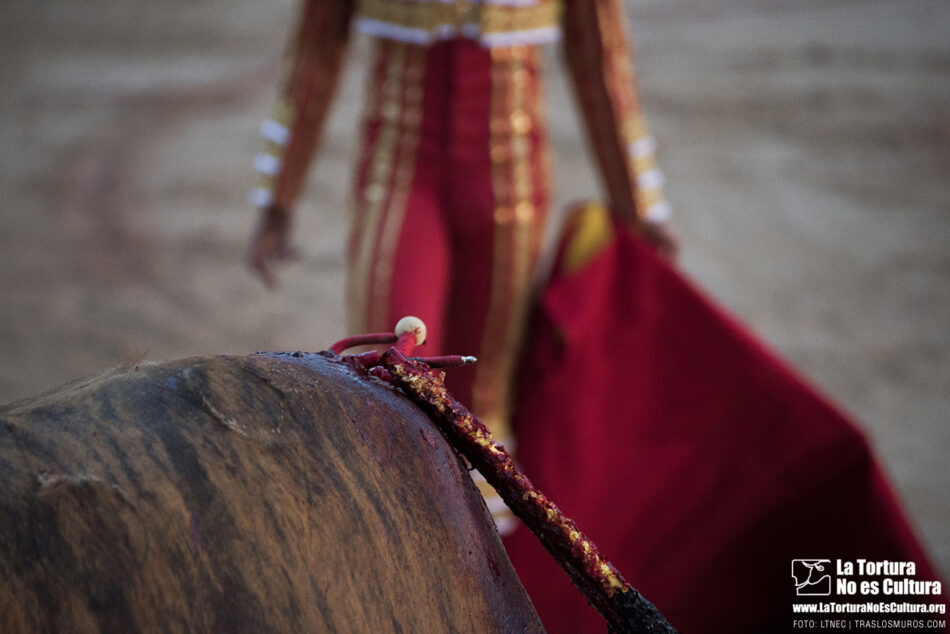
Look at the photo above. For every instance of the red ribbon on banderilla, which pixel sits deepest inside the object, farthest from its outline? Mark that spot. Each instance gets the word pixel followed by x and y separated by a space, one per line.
pixel 623 607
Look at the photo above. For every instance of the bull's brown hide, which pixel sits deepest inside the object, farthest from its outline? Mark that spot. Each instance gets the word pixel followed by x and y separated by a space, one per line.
pixel 261 493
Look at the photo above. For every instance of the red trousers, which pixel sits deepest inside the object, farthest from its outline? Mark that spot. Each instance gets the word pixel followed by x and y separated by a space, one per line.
pixel 451 196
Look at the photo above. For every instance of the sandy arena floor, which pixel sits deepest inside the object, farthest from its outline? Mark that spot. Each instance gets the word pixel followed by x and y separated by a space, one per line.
pixel 806 147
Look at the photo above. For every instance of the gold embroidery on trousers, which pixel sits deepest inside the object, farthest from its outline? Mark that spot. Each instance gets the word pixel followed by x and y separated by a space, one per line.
pixel 513 118
pixel 370 201
pixel 411 120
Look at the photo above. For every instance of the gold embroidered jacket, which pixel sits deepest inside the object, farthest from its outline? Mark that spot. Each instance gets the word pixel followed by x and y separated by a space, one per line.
pixel 595 44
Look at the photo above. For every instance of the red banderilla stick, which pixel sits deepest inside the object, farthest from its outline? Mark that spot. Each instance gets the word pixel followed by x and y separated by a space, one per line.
pixel 625 609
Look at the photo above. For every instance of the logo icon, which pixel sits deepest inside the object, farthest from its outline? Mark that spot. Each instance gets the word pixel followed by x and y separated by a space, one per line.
pixel 812 577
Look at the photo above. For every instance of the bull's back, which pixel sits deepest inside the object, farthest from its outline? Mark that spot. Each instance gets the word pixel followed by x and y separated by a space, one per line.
pixel 261 493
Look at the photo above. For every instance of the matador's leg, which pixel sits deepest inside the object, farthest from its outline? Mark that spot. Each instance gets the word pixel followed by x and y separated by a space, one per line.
pixel 398 252
pixel 497 196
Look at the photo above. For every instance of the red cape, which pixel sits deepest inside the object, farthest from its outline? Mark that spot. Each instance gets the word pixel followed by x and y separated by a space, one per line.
pixel 696 460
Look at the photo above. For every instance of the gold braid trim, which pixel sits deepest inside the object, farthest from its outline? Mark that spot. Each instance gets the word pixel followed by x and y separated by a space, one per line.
pixel 371 200
pixel 514 116
pixel 405 169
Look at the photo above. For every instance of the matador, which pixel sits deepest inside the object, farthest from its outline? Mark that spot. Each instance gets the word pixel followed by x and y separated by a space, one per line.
pixel 452 182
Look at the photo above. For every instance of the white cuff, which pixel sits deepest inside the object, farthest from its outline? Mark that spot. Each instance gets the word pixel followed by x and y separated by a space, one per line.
pixel 260 197
pixel 643 147
pixel 267 164
pixel 658 212
pixel 276 132
pixel 651 179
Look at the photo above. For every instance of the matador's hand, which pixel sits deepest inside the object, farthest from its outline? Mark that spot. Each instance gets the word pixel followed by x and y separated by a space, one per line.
pixel 661 236
pixel 657 232
pixel 270 244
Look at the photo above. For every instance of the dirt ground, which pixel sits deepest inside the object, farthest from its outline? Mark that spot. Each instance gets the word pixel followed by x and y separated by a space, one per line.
pixel 806 147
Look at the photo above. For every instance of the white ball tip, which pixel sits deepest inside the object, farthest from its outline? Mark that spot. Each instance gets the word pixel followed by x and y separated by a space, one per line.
pixel 413 325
